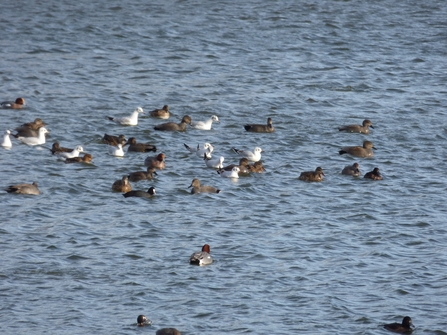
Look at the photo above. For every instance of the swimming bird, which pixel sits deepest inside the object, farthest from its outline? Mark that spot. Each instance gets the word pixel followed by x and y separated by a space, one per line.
pixel 6 142
pixel 113 140
pixel 201 257
pixel 251 156
pixel 234 173
pixel 404 328
pixel 243 166
pixel 122 185
pixel 143 321
pixel 374 174
pixel 207 149
pixel 197 188
pixel 29 129
pixel 139 147
pixel 213 163
pixel 256 167
pixel 17 104
pixel 365 151
pixel 40 139
pixel 161 113
pixel 74 153
pixel 142 175
pixel 352 170
pixel 167 331
pixel 157 162
pixel 131 120
pixel 24 189
pixel 56 149
pixel 87 158
pixel 116 151
pixel 357 128
pixel 171 126
pixel 205 125
pixel 261 128
pixel 316 175
pixel 142 194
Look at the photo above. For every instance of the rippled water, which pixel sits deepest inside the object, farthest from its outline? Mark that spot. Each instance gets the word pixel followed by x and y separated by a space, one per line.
pixel 342 256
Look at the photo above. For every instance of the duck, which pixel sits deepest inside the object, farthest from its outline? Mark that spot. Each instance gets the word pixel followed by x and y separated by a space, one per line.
pixel 122 185
pixel 142 175
pixel 351 170
pixel 404 328
pixel 201 257
pixel 74 153
pixel 87 158
pixel 167 331
pixel 251 156
pixel 17 104
pixel 205 125
pixel 116 151
pixel 374 174
pixel 243 166
pixel 29 129
pixel 143 321
pixel 40 139
pixel 161 113
pixel 113 140
pixel 316 175
pixel 6 142
pixel 357 128
pixel 24 189
pixel 139 147
pixel 197 188
pixel 157 162
pixel 171 126
pixel 261 128
pixel 216 163
pixel 234 173
pixel 57 149
pixel 256 167
pixel 364 151
pixel 131 120
pixel 207 149
pixel 141 194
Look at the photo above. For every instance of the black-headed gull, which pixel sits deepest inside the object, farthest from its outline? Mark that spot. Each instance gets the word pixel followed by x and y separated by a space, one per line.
pixel 40 139
pixel 205 125
pixel 74 153
pixel 261 128
pixel 201 257
pixel 207 149
pixel 234 173
pixel 131 120
pixel 116 151
pixel 6 142
pixel 251 156
pixel 216 163
pixel 197 188
pixel 161 113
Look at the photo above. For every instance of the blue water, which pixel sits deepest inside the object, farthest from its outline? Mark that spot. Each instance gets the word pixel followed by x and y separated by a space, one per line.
pixel 343 256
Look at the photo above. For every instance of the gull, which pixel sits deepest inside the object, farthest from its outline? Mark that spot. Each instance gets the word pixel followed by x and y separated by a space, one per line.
pixel 116 151
pixel 216 163
pixel 205 125
pixel 234 173
pixel 74 153
pixel 35 140
pixel 251 156
pixel 6 142
pixel 207 149
pixel 131 120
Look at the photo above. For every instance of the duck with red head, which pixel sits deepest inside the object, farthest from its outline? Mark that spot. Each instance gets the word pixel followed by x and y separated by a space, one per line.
pixel 157 162
pixel 201 257
pixel 17 104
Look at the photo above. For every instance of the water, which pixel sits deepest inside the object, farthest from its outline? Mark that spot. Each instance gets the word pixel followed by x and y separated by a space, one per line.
pixel 343 256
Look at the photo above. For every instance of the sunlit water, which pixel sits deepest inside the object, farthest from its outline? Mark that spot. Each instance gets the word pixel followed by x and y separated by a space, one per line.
pixel 343 256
